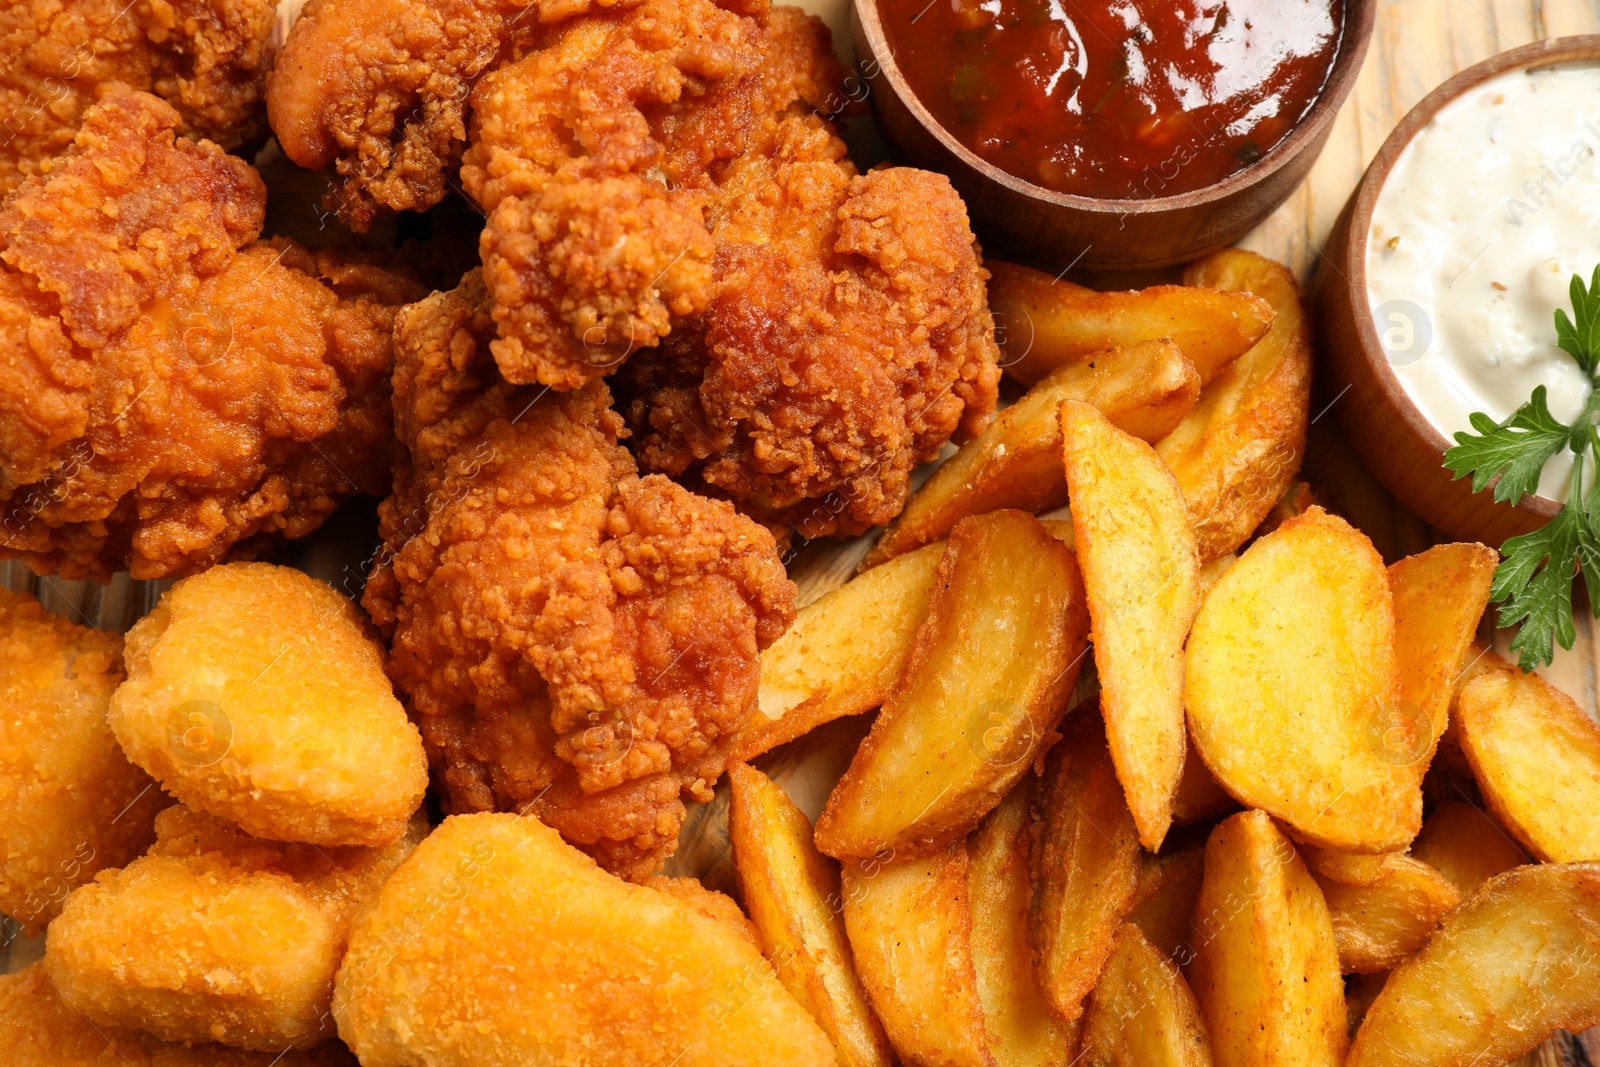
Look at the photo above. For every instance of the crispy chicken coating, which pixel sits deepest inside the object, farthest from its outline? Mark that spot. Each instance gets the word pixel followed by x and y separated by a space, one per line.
pixel 217 936
pixel 496 943
pixel 70 802
pixel 207 58
pixel 574 641
pixel 38 1029
pixel 174 392
pixel 257 694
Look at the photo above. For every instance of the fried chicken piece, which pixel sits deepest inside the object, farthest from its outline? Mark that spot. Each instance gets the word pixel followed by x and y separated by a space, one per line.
pixel 597 157
pixel 70 803
pixel 257 693
pixel 566 965
pixel 176 394
pixel 38 1029
pixel 217 936
pixel 850 337
pixel 207 58
pixel 575 641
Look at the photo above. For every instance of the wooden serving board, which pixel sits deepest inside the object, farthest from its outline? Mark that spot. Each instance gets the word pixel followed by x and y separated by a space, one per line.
pixel 1416 45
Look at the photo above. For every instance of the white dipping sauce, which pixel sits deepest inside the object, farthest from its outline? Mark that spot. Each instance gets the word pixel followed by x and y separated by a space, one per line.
pixel 1476 234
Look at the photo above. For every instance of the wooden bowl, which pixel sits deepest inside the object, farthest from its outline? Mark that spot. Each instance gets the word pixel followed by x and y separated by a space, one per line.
pixel 1401 447
pixel 1034 224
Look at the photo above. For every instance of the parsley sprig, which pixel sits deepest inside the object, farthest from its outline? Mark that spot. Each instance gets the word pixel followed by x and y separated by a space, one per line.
pixel 1534 580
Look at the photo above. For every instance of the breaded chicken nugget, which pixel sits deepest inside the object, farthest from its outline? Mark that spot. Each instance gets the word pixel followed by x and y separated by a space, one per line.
pixel 70 803
pixel 498 944
pixel 38 1029
pixel 255 693
pixel 217 936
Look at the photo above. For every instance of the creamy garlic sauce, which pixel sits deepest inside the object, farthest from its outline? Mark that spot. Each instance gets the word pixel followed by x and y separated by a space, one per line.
pixel 1476 234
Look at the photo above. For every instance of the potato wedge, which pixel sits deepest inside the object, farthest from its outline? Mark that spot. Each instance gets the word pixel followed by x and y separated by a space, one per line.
pixel 985 685
pixel 792 894
pixel 1199 798
pixel 1085 864
pixel 1291 683
pixel 1237 451
pixel 844 654
pixel 1266 966
pixel 1464 843
pixel 1439 596
pixel 1360 990
pixel 1514 963
pixel 1169 885
pixel 1142 1011
pixel 1536 757
pixel 910 931
pixel 1141 573
pixel 1044 324
pixel 1381 922
pixel 1145 390
pixel 1020 1029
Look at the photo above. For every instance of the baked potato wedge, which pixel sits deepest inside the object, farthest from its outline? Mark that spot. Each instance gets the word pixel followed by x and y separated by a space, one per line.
pixel 1536 757
pixel 1199 798
pixel 1141 574
pixel 1142 1011
pixel 1266 965
pixel 844 654
pixel 1291 683
pixel 1517 961
pixel 1381 922
pixel 1463 842
pixel 1020 1030
pixel 911 933
pixel 1239 448
pixel 986 683
pixel 1085 864
pixel 1145 390
pixel 1439 596
pixel 792 895
pixel 1044 324
pixel 1169 885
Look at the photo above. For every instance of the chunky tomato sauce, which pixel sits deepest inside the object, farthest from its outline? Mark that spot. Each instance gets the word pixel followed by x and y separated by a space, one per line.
pixel 1120 99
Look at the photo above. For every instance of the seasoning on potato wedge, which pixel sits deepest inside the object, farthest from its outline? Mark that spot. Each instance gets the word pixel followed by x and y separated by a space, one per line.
pixel 1241 445
pixel 1142 1011
pixel 792 895
pixel 910 929
pixel 1019 1028
pixel 1085 864
pixel 1536 757
pixel 1291 683
pixel 1517 961
pixel 844 653
pixel 1463 842
pixel 1266 965
pixel 1381 920
pixel 1045 323
pixel 1144 390
pixel 1439 596
pixel 985 685
pixel 1141 574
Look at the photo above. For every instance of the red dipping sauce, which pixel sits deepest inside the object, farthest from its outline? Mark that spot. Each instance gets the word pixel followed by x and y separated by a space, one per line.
pixel 1116 99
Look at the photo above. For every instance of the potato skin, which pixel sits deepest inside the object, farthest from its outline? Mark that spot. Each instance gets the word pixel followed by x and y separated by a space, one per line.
pixel 256 694
pixel 217 936
pixel 70 802
pixel 498 943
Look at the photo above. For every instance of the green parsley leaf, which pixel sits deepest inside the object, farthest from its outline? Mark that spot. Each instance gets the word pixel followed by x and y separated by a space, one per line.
pixel 1516 450
pixel 1581 338
pixel 1536 575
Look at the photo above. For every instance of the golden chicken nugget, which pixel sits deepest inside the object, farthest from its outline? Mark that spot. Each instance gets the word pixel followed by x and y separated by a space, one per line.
pixel 498 943
pixel 39 1029
pixel 70 803
pixel 217 936
pixel 256 694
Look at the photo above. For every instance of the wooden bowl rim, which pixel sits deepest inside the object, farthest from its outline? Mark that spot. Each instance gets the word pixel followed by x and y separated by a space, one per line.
pixel 1548 52
pixel 1359 15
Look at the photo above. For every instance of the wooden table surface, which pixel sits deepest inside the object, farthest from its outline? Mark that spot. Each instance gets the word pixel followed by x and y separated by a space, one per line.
pixel 1415 46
